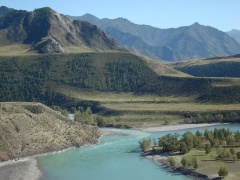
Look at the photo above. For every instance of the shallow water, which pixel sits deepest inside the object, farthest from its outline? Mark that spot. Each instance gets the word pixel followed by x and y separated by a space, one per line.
pixel 116 157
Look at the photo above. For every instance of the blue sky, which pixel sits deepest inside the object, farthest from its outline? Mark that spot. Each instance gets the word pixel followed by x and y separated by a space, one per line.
pixel 222 14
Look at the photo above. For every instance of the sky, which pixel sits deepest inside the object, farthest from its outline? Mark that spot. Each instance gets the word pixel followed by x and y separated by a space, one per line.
pixel 221 14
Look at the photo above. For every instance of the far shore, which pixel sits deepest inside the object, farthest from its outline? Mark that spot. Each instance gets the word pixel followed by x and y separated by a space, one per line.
pixel 177 127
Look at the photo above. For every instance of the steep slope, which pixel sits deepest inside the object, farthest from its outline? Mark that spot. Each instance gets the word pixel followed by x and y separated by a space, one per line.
pixel 48 31
pixel 138 45
pixel 228 66
pixel 235 34
pixel 32 128
pixel 195 41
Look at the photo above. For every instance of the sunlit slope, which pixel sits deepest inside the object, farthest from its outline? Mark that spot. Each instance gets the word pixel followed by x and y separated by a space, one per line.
pixel 228 66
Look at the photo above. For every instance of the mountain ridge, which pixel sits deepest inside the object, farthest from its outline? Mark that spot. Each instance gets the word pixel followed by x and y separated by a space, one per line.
pixel 182 40
pixel 47 31
pixel 235 34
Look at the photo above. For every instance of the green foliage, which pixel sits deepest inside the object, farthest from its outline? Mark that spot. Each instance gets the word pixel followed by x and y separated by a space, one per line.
pixel 213 118
pixel 232 151
pixel 238 155
pixel 169 142
pixel 183 148
pixel 195 163
pixel 222 172
pixel 207 148
pixel 184 162
pixel 145 144
pixel 172 161
pixel 84 117
pixel 187 137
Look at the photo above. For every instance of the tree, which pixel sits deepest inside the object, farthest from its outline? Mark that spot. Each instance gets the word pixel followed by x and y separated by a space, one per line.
pixel 232 150
pixel 169 142
pixel 184 162
pixel 172 161
pixel 195 163
pixel 188 139
pixel 88 111
pixel 238 155
pixel 207 148
pixel 145 144
pixel 198 133
pixel 183 148
pixel 222 172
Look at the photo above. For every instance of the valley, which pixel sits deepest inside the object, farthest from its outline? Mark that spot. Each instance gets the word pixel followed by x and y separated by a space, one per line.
pixel 111 75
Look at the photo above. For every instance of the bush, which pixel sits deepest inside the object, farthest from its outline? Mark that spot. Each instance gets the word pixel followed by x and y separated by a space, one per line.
pixel 222 172
pixel 172 161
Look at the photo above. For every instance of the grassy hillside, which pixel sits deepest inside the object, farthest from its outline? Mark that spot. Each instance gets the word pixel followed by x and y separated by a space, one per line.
pixel 120 86
pixel 214 67
pixel 32 128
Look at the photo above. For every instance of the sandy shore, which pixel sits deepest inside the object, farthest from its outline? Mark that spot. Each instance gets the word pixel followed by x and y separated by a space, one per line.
pixel 23 169
pixel 175 127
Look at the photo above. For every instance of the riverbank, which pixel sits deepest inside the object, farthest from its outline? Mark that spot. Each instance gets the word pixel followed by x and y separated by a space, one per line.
pixel 162 161
pixel 176 127
pixel 25 169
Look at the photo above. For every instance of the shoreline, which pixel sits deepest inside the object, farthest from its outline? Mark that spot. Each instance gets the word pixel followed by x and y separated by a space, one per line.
pixel 161 160
pixel 26 168
pixel 177 127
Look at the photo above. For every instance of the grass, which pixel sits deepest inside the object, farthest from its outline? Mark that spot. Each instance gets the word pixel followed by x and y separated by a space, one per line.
pixel 209 164
pixel 171 107
pixel 216 67
pixel 15 49
pixel 146 109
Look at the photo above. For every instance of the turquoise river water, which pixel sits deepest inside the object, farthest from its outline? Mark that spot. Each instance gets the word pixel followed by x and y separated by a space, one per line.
pixel 115 157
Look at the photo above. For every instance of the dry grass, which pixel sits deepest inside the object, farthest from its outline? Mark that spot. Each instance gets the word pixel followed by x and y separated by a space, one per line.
pixel 16 49
pixel 176 107
pixel 199 62
pixel 117 97
pixel 209 165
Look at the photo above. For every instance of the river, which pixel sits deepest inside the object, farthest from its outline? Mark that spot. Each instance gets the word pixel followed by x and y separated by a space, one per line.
pixel 116 157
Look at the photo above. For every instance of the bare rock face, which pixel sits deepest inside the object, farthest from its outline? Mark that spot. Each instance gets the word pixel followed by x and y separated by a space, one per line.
pixel 32 128
pixel 48 45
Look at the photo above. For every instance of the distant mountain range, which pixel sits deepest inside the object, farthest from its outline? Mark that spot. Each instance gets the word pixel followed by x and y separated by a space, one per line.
pixel 47 31
pixel 188 42
pixel 235 34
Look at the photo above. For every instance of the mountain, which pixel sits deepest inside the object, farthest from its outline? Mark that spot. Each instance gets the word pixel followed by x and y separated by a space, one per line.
pixel 188 42
pixel 235 34
pixel 33 128
pixel 138 45
pixel 47 31
pixel 4 10
pixel 226 66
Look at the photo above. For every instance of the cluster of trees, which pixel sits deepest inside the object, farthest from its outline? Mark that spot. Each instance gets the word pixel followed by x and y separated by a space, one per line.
pixel 126 75
pixel 189 163
pixel 85 116
pixel 213 118
pixel 188 141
